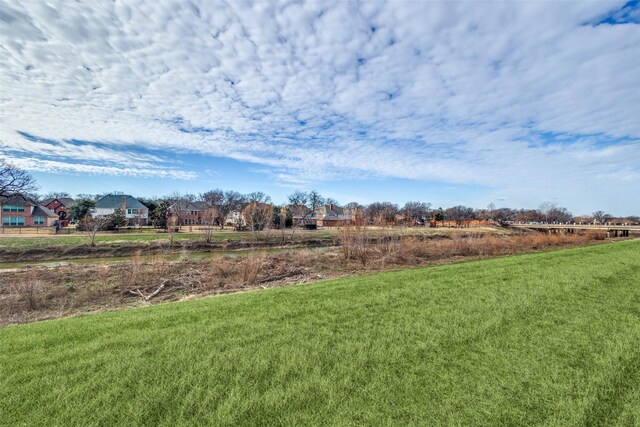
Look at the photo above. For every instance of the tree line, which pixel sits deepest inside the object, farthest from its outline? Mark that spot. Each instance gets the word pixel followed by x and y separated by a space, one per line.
pixel 223 203
pixel 300 203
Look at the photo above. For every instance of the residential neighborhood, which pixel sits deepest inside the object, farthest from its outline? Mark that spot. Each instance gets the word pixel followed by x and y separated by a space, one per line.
pixel 255 211
pixel 319 213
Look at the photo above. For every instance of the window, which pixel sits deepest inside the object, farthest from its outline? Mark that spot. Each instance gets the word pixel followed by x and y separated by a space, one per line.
pixel 38 220
pixel 10 208
pixel 132 211
pixel 13 220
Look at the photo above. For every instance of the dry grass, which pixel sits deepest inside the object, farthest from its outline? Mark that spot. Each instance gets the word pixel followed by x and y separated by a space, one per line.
pixel 387 248
pixel 41 293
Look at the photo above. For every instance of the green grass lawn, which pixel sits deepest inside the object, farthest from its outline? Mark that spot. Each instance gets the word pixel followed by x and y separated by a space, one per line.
pixel 548 338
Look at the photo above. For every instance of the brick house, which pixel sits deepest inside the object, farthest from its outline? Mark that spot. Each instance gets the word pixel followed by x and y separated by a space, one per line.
pixel 22 211
pixel 332 216
pixel 59 206
pixel 191 213
pixel 134 210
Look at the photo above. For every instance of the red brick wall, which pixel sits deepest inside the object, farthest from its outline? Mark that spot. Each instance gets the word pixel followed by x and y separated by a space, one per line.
pixel 28 218
pixel 56 206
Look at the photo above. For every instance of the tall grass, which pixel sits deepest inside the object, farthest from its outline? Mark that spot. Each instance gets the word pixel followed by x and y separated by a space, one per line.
pixel 384 247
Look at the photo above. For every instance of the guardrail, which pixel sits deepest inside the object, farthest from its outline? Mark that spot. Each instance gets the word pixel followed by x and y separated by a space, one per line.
pixel 611 230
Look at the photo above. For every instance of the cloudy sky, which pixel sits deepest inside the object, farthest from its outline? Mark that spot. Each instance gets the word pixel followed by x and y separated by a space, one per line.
pixel 513 103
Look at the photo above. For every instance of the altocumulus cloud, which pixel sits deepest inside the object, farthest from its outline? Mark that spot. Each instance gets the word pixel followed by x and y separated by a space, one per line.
pixel 534 98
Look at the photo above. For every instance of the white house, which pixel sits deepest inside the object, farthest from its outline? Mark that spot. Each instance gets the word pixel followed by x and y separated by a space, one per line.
pixel 135 211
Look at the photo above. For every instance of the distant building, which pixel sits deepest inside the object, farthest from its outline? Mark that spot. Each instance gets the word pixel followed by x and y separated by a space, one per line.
pixel 134 210
pixel 331 216
pixel 235 219
pixel 59 206
pixel 191 213
pixel 22 211
pixel 257 215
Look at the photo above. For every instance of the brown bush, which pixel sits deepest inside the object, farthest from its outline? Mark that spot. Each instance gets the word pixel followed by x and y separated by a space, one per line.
pixel 28 293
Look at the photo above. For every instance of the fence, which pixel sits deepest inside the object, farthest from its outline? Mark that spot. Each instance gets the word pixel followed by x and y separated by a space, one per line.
pixel 35 230
pixel 42 230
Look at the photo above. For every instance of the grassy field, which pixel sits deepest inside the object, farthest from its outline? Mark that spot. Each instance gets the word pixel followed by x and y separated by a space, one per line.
pixel 26 241
pixel 17 241
pixel 548 338
pixel 35 241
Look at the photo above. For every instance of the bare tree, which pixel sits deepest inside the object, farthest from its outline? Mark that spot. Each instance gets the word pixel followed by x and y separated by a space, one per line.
pixel 172 221
pixel 225 202
pixel 503 216
pixel 601 217
pixel 209 218
pixel 552 213
pixel 56 195
pixel 92 225
pixel 258 197
pixel 14 180
pixel 417 213
pixel 382 213
pixel 298 206
pixel 315 200
pixel 331 201
pixel 180 206
pixel 460 214
pixel 258 216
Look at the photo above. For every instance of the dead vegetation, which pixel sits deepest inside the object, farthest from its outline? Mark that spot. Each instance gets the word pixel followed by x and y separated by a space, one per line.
pixel 31 294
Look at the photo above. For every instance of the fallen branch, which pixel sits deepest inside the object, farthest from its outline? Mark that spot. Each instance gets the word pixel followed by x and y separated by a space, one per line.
pixel 136 292
pixel 156 292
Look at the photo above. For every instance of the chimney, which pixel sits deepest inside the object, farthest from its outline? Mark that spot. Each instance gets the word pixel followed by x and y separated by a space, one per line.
pixel 123 206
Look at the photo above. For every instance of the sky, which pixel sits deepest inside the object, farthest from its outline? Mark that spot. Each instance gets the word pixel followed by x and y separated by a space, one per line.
pixel 511 103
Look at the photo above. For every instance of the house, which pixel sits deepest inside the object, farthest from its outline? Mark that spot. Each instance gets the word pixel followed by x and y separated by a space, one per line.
pixel 331 216
pixel 22 211
pixel 135 211
pixel 59 206
pixel 192 213
pixel 235 219
pixel 257 215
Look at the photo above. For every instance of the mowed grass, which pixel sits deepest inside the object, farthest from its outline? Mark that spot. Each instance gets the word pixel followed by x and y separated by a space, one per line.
pixel 549 338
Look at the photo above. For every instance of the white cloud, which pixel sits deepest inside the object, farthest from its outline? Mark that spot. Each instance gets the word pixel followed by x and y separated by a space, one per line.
pixel 54 166
pixel 453 92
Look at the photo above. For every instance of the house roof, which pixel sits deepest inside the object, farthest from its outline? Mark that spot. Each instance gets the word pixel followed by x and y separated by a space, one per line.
pixel 330 218
pixel 43 211
pixel 66 201
pixel 16 199
pixel 114 201
pixel 330 212
pixel 198 206
pixel 189 206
